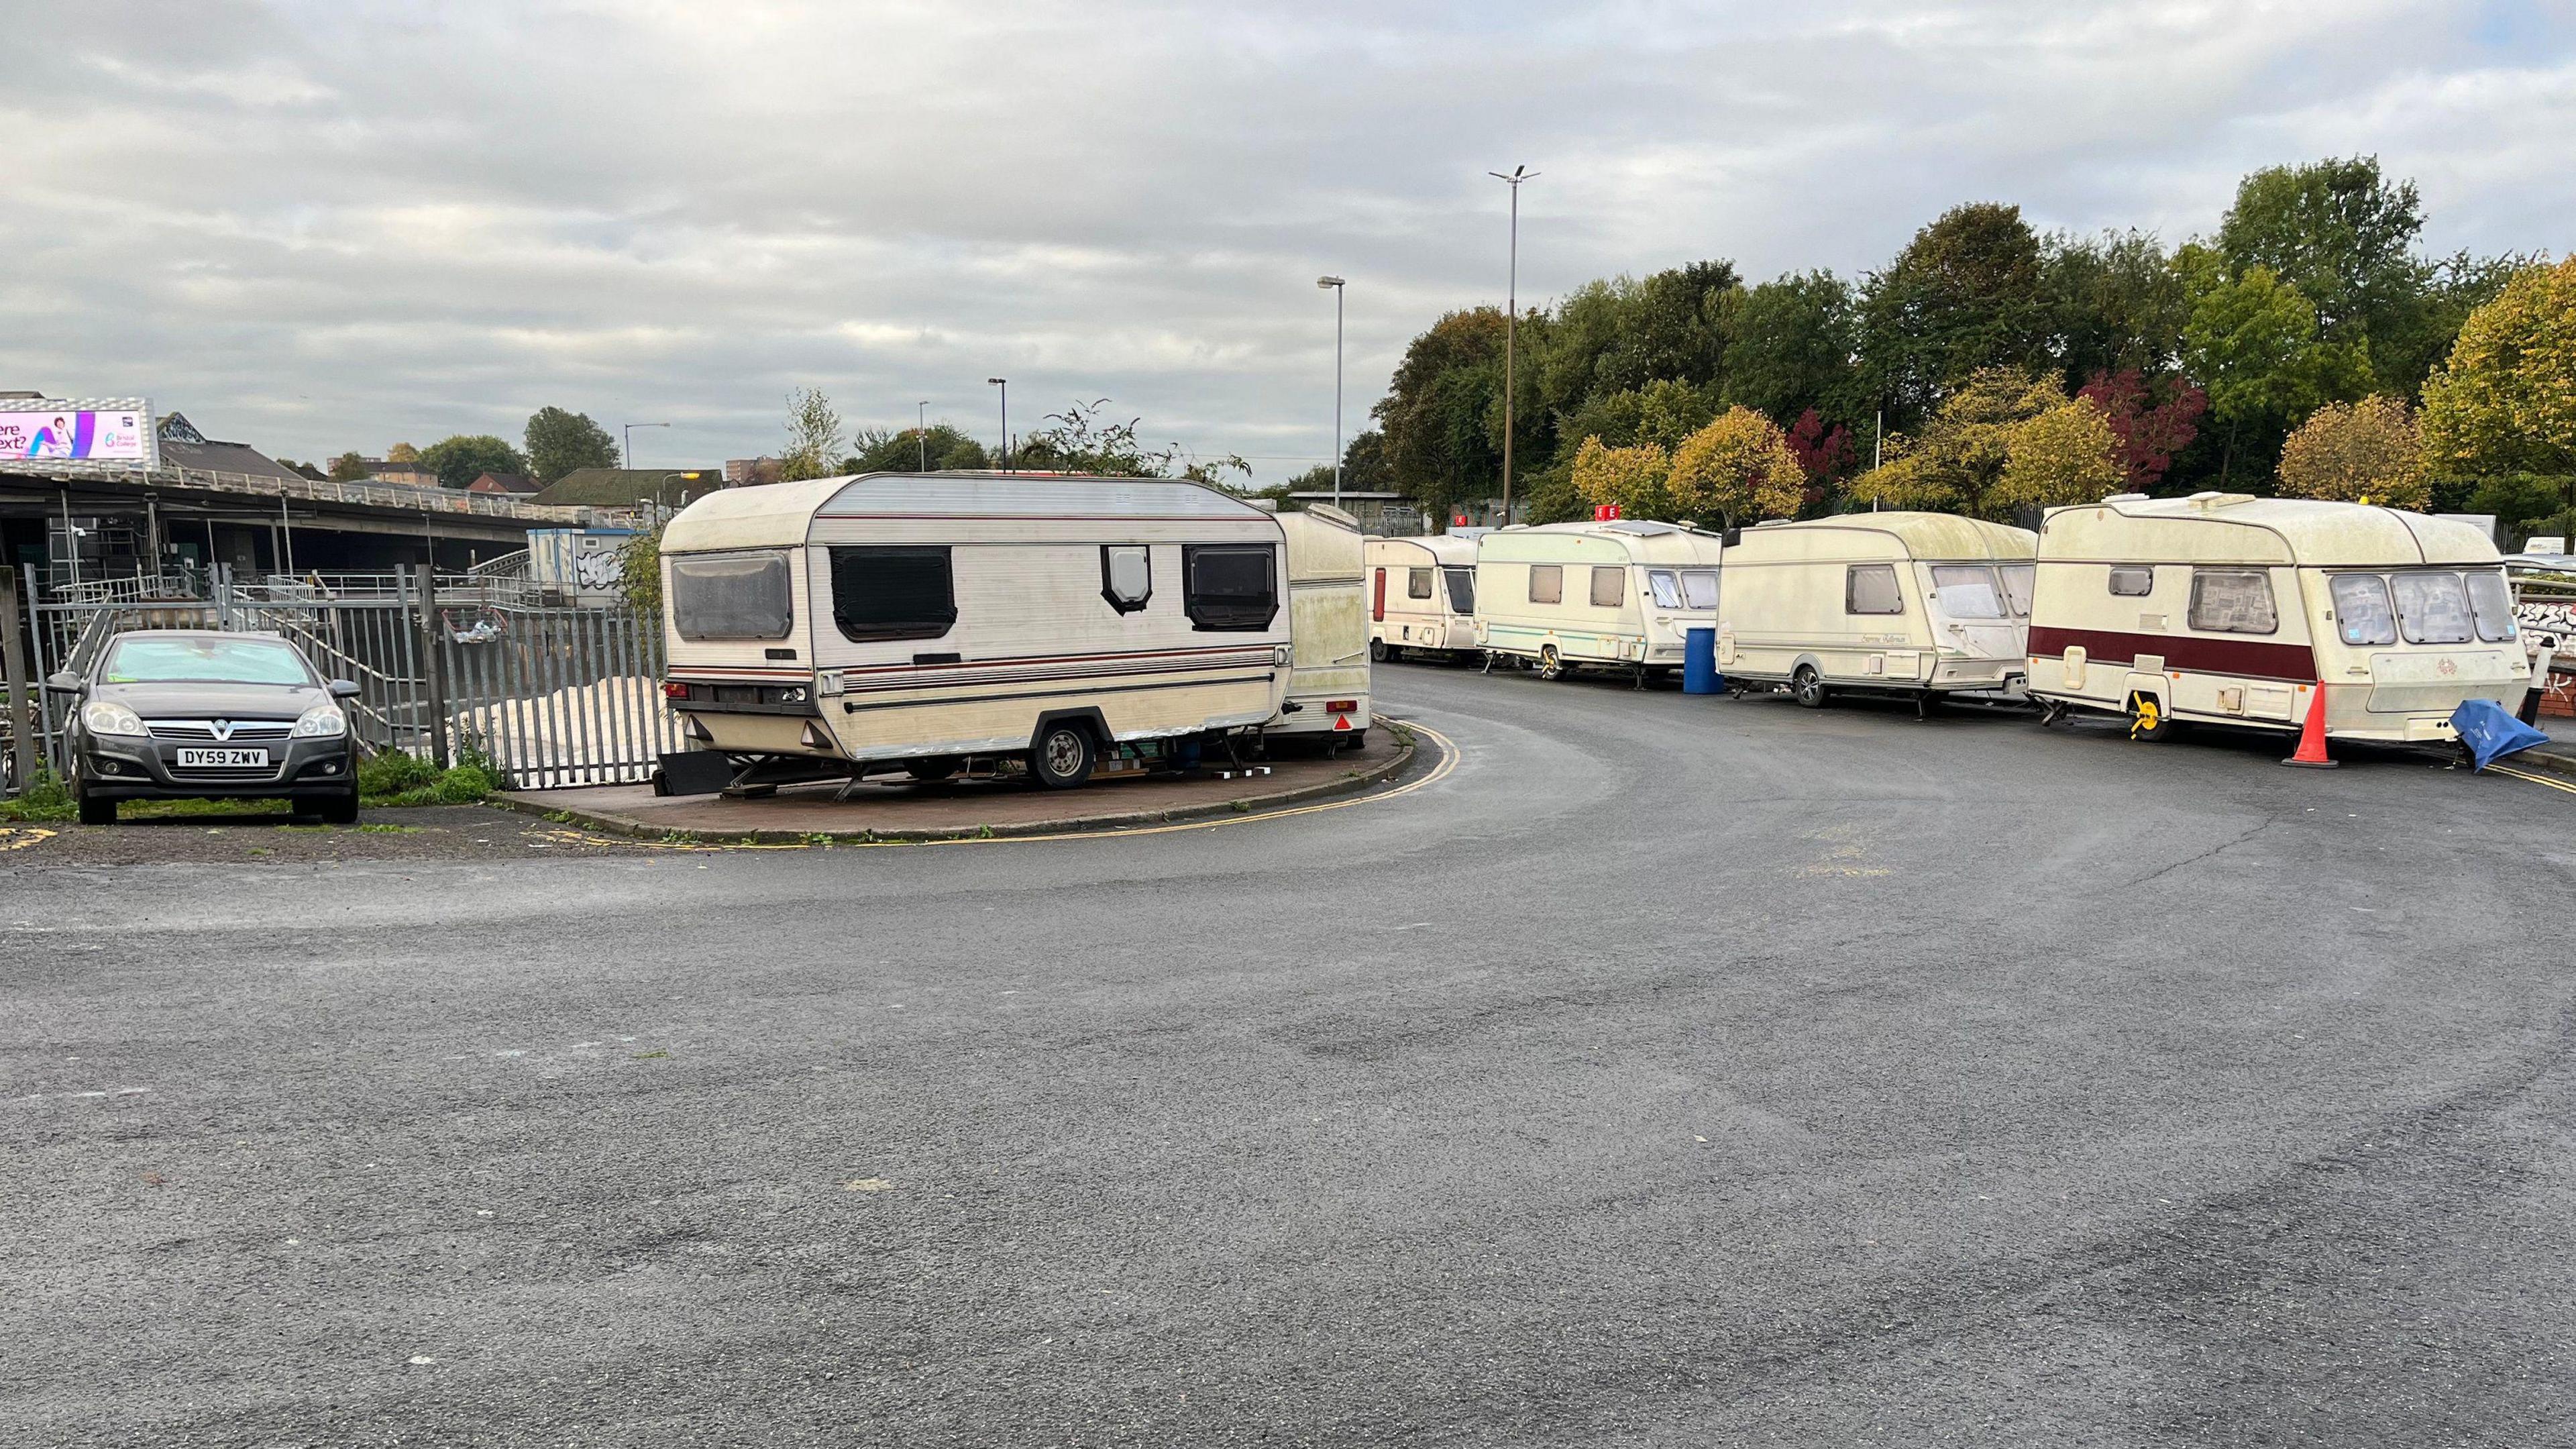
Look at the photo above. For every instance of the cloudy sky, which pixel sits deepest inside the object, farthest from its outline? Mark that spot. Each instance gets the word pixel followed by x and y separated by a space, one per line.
pixel 318 225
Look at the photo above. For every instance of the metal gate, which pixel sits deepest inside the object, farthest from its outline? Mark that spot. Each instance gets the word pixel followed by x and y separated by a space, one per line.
pixel 448 669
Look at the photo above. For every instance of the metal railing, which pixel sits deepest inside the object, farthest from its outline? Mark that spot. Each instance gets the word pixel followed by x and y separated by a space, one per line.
pixel 407 497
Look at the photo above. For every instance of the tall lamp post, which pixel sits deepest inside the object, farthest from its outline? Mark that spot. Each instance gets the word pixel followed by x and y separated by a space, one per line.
pixel 921 434
pixel 1511 324
pixel 1004 384
pixel 1334 284
pixel 630 440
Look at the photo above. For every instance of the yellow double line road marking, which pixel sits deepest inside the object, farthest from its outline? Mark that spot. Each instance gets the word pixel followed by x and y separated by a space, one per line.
pixel 2535 779
pixel 1439 772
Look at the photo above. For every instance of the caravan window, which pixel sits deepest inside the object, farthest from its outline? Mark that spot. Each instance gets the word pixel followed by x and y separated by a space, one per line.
pixel 731 596
pixel 1231 586
pixel 2017 584
pixel 884 592
pixel 2232 601
pixel 2492 602
pixel 2133 583
pixel 1667 588
pixel 1967 591
pixel 1547 584
pixel 2362 615
pixel 1417 583
pixel 1871 589
pixel 1126 576
pixel 1609 586
pixel 1462 590
pixel 1699 588
pixel 2432 608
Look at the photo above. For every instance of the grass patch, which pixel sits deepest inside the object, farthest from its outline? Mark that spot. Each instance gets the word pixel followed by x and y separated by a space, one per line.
pixel 380 827
pixel 46 797
pixel 396 780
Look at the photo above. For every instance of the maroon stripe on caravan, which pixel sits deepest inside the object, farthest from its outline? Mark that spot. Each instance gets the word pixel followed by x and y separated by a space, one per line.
pixel 2245 658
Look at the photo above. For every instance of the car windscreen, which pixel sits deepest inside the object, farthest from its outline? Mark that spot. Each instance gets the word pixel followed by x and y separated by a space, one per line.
pixel 143 659
pixel 731 596
pixel 1966 591
pixel 1462 590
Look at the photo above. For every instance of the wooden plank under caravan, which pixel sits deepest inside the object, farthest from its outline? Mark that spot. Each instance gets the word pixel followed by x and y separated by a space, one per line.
pixel 923 621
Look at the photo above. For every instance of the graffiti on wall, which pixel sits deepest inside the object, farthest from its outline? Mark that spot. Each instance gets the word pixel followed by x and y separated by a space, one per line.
pixel 596 570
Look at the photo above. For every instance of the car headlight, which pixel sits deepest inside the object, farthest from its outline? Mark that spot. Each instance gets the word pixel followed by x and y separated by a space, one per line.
pixel 107 717
pixel 322 722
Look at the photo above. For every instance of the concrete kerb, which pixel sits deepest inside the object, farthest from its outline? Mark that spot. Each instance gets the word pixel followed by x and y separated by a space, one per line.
pixel 2554 758
pixel 533 803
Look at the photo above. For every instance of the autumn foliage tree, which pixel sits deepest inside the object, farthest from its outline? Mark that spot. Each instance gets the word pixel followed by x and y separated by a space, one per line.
pixel 2506 400
pixel 2148 433
pixel 2003 441
pixel 2365 452
pixel 1738 467
pixel 1637 480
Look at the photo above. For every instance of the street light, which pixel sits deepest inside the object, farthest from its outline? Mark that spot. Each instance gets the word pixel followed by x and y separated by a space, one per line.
pixel 661 507
pixel 630 440
pixel 1335 285
pixel 921 434
pixel 1004 384
pixel 1511 323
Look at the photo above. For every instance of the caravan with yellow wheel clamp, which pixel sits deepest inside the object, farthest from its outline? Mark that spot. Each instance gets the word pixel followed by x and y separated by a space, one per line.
pixel 2224 608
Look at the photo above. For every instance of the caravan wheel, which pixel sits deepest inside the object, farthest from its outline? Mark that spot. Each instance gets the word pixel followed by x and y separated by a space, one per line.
pixel 1063 757
pixel 1549 665
pixel 1808 687
pixel 2148 721
pixel 1377 651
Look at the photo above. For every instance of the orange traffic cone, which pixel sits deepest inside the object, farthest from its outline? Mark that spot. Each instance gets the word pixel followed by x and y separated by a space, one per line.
pixel 2312 739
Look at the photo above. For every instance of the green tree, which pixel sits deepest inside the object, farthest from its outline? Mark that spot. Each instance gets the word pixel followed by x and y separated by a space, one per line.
pixel 2365 452
pixel 639 572
pixel 2506 400
pixel 1794 348
pixel 1620 335
pixel 1965 294
pixel 461 459
pixel 1085 440
pixel 1738 467
pixel 1434 417
pixel 2254 346
pixel 814 437
pixel 2339 232
pixel 949 447
pixel 1662 413
pixel 2005 439
pixel 2116 305
pixel 348 468
pixel 559 442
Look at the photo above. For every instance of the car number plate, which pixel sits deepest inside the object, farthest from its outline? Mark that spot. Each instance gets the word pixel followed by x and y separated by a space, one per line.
pixel 223 759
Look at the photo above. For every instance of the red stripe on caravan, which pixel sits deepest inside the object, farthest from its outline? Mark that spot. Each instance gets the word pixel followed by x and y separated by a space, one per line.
pixel 2245 658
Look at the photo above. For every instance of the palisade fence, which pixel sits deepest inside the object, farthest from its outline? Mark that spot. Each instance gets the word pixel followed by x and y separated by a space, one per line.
pixel 448 668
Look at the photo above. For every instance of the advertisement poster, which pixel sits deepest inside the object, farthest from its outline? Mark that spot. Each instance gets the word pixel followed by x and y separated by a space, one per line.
pixel 82 431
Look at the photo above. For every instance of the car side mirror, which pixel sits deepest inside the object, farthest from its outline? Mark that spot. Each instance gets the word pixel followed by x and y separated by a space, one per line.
pixel 63 682
pixel 344 689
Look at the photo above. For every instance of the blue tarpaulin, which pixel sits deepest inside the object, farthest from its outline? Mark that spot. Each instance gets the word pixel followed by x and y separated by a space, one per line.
pixel 2490 731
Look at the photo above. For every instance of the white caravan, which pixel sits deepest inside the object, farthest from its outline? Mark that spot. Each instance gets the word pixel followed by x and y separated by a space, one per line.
pixel 1422 595
pixel 845 625
pixel 1328 678
pixel 1912 604
pixel 1567 596
pixel 2234 609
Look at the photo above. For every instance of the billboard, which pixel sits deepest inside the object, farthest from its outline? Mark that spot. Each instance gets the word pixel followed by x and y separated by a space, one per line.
pixel 83 430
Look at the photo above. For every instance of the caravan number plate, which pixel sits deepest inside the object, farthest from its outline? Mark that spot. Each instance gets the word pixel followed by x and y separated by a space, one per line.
pixel 223 759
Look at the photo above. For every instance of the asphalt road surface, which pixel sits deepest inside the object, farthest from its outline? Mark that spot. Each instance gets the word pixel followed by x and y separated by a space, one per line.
pixel 1673 1072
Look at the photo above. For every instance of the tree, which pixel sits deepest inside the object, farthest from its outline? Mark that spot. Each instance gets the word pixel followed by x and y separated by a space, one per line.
pixel 1434 414
pixel 639 572
pixel 1620 335
pixel 2065 455
pixel 1964 294
pixel 402 453
pixel 461 459
pixel 1635 479
pixel 2003 441
pixel 949 447
pixel 2365 452
pixel 1738 467
pixel 1662 412
pixel 559 442
pixel 2253 345
pixel 2116 304
pixel 2149 432
pixel 2505 401
pixel 1824 455
pixel 2337 231
pixel 814 436
pixel 1792 350
pixel 1082 440
pixel 348 468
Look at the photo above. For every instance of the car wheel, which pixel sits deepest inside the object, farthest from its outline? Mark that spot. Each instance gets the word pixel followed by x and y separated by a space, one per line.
pixel 935 767
pixel 93 810
pixel 1808 687
pixel 341 809
pixel 1377 651
pixel 1063 757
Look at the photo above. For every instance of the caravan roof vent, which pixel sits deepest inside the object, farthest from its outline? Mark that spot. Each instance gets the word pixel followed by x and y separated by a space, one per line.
pixel 1773 523
pixel 2126 498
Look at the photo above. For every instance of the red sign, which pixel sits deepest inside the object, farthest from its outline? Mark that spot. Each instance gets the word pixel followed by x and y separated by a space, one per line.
pixel 1604 512
pixel 1461 523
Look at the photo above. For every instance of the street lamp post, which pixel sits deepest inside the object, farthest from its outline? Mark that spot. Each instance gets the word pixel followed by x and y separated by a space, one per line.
pixel 921 433
pixel 1511 324
pixel 1004 384
pixel 659 506
pixel 630 440
pixel 1335 284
